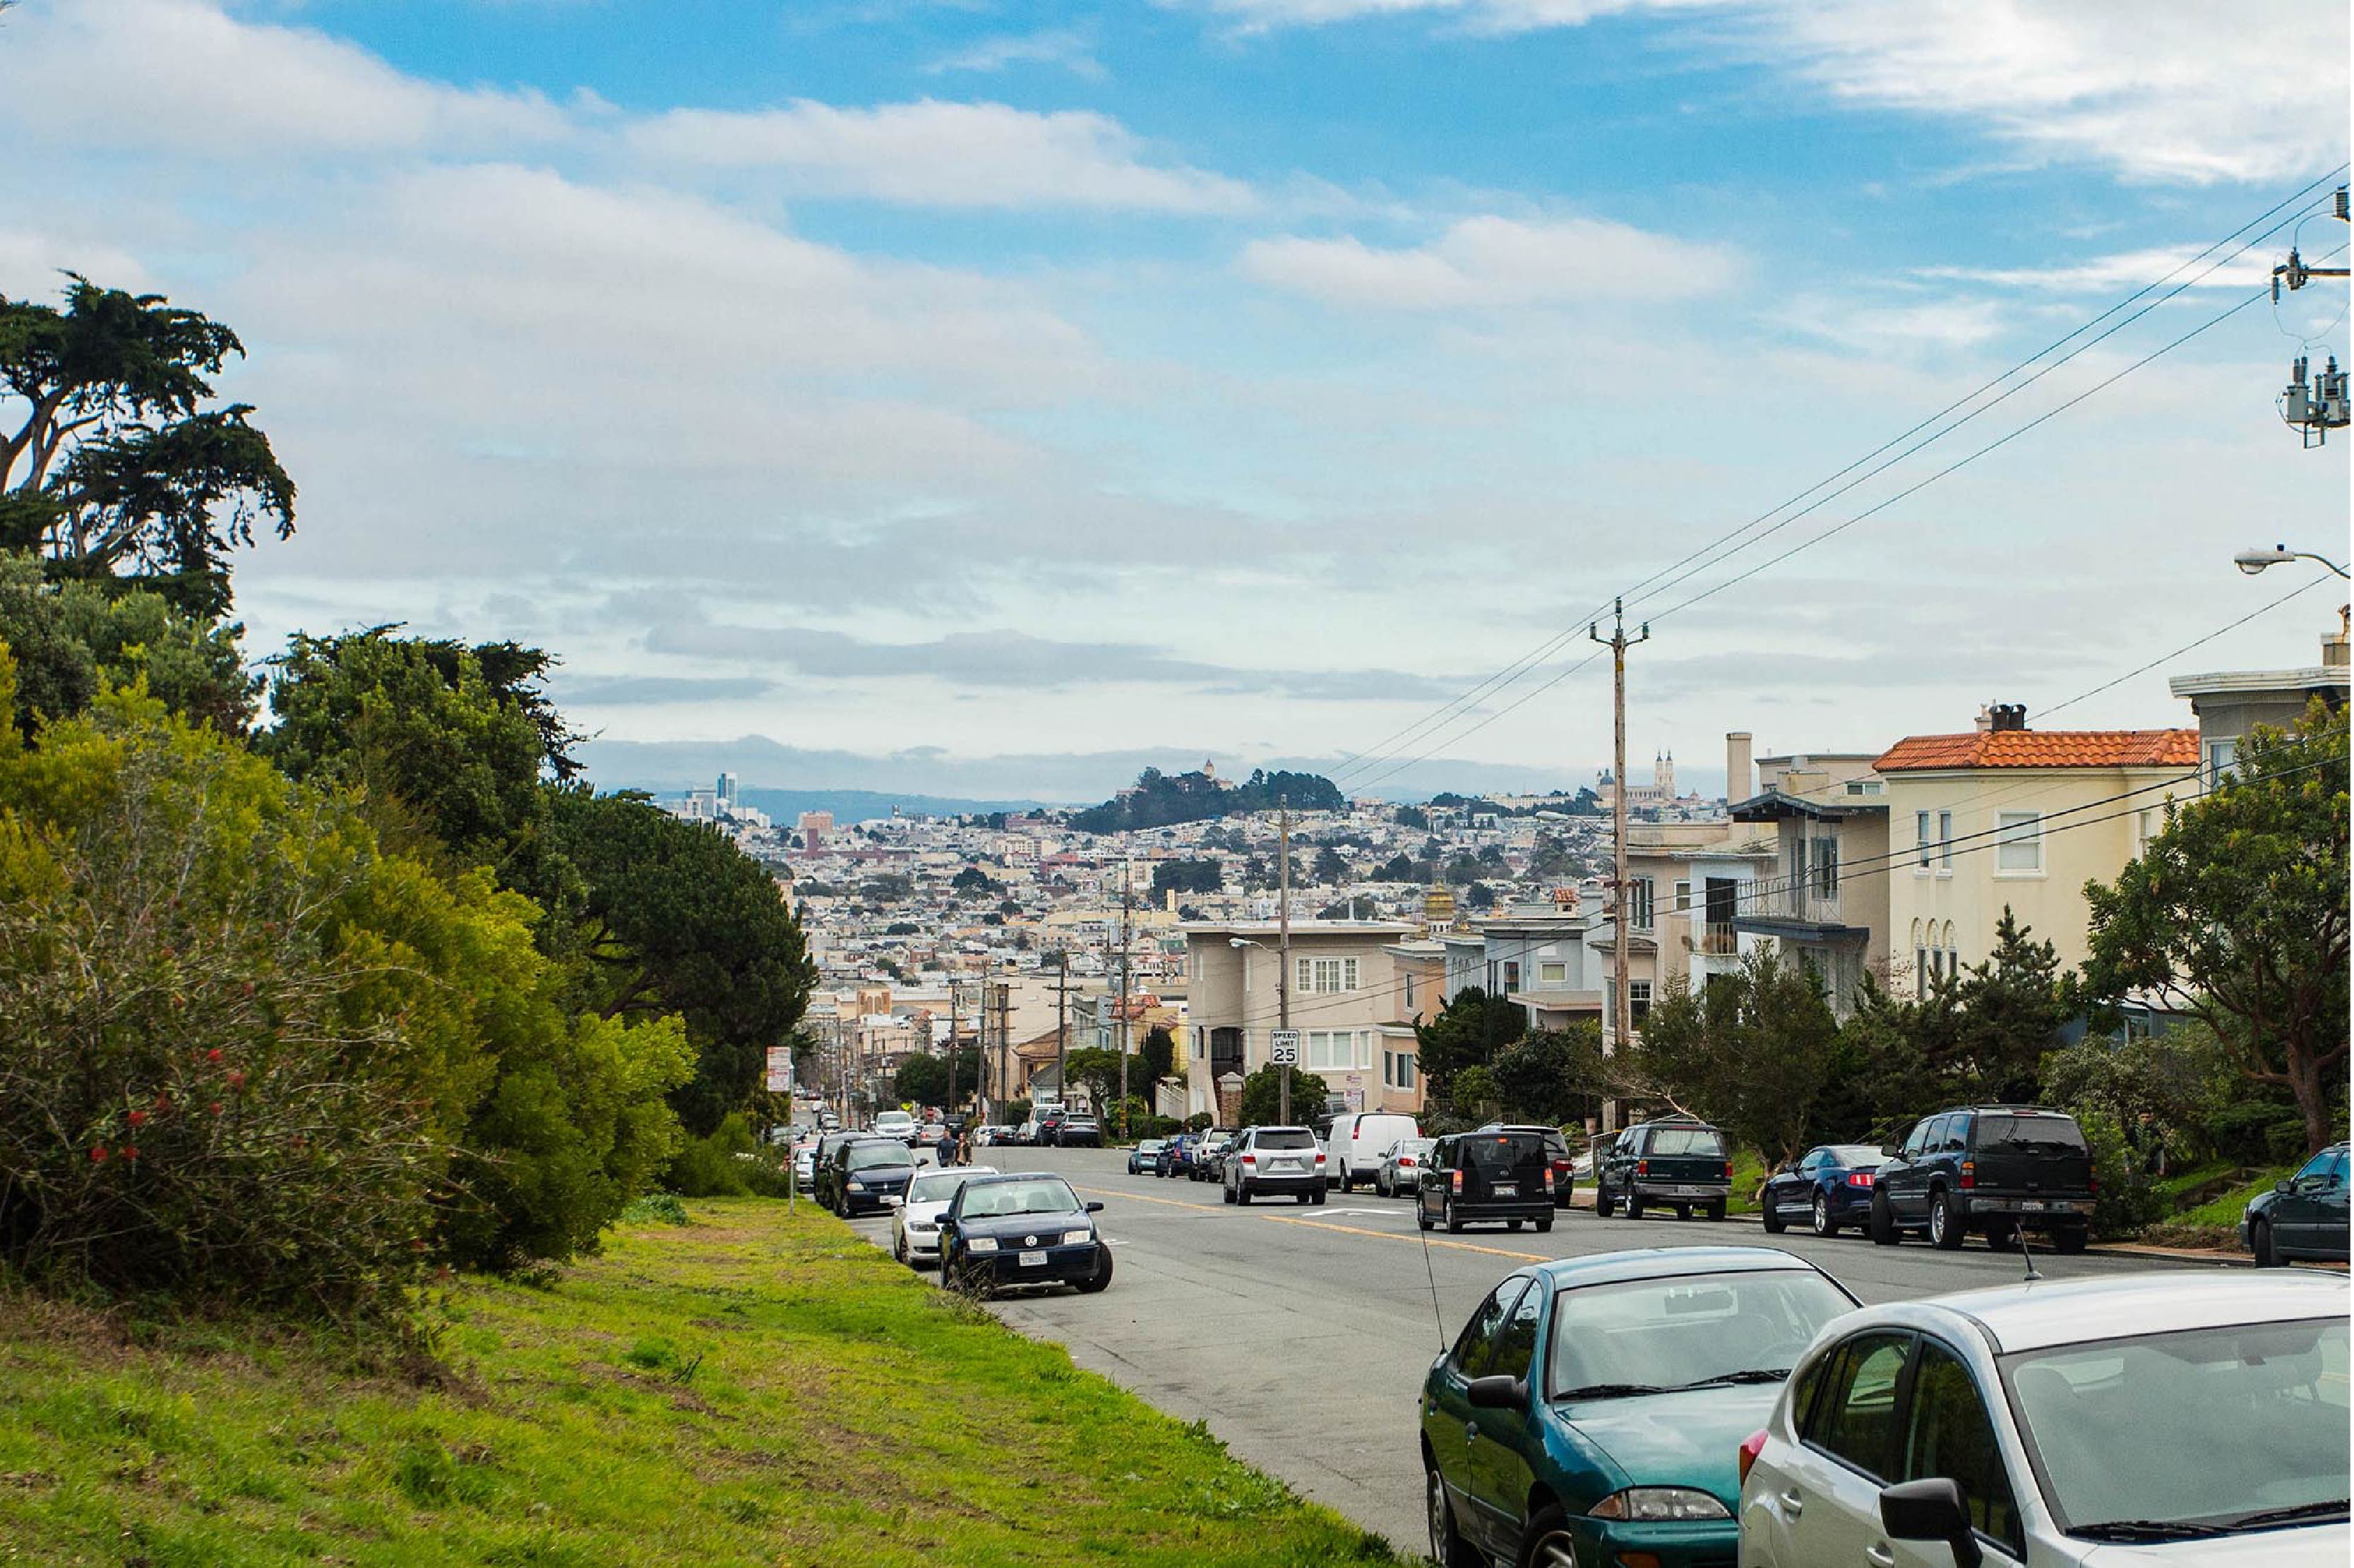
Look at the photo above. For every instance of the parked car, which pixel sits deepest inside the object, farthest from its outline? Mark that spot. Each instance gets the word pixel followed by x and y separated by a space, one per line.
pixel 1177 1154
pixel 2304 1217
pixel 1076 1132
pixel 1565 1175
pixel 1353 1148
pixel 915 1222
pixel 1682 1161
pixel 805 1165
pixel 931 1135
pixel 1395 1177
pixel 1479 1176
pixel 867 1173
pixel 1275 1161
pixel 2154 1418
pixel 1022 1230
pixel 823 1159
pixel 1825 1188
pixel 1993 1170
pixel 895 1124
pixel 1210 1155
pixel 1145 1156
pixel 1591 1411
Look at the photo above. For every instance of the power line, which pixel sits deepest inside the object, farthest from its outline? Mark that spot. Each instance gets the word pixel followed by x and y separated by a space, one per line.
pixel 2307 587
pixel 1439 718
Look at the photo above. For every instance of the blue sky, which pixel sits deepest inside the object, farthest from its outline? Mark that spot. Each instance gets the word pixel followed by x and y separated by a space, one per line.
pixel 911 383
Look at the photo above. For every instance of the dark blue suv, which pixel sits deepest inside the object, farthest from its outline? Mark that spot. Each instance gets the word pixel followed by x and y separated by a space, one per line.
pixel 1993 1170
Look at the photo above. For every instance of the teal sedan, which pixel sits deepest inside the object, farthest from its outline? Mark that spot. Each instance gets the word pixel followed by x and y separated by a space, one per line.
pixel 1591 1413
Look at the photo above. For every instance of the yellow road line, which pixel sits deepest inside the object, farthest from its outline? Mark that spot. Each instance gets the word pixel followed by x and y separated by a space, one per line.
pixel 1323 1225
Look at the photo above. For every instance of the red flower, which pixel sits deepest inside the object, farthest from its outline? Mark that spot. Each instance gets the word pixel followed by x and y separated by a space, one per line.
pixel 216 1108
pixel 98 1154
pixel 236 1078
pixel 139 1119
pixel 129 1152
pixel 213 1054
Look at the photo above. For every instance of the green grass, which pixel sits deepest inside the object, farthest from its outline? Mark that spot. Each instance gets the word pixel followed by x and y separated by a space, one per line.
pixel 2226 1209
pixel 748 1389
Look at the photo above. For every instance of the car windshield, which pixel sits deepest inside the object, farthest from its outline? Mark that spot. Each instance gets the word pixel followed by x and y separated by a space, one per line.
pixel 866 1156
pixel 995 1199
pixel 893 1118
pixel 938 1186
pixel 1416 1146
pixel 2255 1417
pixel 1651 1336
pixel 1149 1146
pixel 1288 1137
pixel 1852 1155
pixel 1707 1142
pixel 2032 1134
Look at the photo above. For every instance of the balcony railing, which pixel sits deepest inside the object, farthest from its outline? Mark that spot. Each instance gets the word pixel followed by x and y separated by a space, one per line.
pixel 1802 902
pixel 1719 939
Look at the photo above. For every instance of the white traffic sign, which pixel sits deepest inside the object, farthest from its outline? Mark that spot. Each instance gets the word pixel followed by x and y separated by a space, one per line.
pixel 1283 1047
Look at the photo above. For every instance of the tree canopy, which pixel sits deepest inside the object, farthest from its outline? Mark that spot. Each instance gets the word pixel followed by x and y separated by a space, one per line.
pixel 1159 800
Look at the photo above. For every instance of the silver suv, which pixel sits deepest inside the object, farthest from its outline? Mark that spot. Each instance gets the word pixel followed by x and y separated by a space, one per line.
pixel 1283 1161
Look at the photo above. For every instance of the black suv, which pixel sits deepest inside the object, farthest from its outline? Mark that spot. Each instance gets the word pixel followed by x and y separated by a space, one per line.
pixel 1501 1174
pixel 1680 1161
pixel 1993 1170
pixel 867 1173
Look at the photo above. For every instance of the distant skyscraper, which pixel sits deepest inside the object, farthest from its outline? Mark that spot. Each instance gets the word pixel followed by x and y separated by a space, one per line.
pixel 728 786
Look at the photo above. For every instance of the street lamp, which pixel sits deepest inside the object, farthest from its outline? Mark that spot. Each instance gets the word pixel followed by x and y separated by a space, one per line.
pixel 2256 560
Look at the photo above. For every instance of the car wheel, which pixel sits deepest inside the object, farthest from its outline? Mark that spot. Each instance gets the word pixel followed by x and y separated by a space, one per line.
pixel 1544 1223
pixel 1824 1225
pixel 1102 1275
pixel 1771 1213
pixel 1716 1210
pixel 1421 1217
pixel 1448 1217
pixel 1946 1232
pixel 899 1249
pixel 1602 1204
pixel 1634 1205
pixel 1226 1193
pixel 2260 1242
pixel 1547 1543
pixel 1317 1200
pixel 1884 1224
pixel 1242 1193
pixel 1381 1185
pixel 1447 1547
pixel 2071 1239
pixel 1302 1198
pixel 1683 1210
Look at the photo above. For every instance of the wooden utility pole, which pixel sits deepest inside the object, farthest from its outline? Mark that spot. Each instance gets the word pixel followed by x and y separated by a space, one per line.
pixel 949 1108
pixel 1127 882
pixel 1283 948
pixel 1004 1035
pixel 1618 642
pixel 1063 1025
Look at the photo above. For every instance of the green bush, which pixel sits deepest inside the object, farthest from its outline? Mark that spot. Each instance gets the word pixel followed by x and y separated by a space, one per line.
pixel 1016 1112
pixel 655 1209
pixel 1200 1121
pixel 2128 1198
pixel 707 1167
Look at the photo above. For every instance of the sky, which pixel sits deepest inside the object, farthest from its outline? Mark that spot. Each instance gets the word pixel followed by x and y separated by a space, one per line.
pixel 892 392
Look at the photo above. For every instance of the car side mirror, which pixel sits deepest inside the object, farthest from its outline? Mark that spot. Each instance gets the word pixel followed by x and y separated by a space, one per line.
pixel 1497 1394
pixel 1784 1169
pixel 1931 1510
pixel 2284 1186
pixel 1094 1208
pixel 1892 1150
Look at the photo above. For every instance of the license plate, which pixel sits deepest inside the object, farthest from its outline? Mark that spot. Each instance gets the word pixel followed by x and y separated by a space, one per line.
pixel 1033 1260
pixel 1507 1190
pixel 2032 1205
pixel 1283 1165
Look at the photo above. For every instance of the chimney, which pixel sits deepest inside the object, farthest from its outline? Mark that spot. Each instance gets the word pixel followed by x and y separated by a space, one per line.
pixel 1736 767
pixel 2001 716
pixel 1985 718
pixel 2333 649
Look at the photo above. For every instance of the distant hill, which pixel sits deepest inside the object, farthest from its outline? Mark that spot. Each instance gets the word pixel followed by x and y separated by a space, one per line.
pixel 865 805
pixel 1159 800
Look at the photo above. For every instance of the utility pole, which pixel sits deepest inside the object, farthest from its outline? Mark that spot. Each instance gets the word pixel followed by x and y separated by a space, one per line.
pixel 1005 1036
pixel 1618 642
pixel 1062 1025
pixel 1127 882
pixel 1283 948
pixel 949 1108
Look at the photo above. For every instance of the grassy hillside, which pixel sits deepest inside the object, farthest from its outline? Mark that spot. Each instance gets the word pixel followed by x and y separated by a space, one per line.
pixel 748 1389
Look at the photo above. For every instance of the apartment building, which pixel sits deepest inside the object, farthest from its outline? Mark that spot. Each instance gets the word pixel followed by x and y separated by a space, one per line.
pixel 1829 812
pixel 2003 816
pixel 2230 702
pixel 1344 988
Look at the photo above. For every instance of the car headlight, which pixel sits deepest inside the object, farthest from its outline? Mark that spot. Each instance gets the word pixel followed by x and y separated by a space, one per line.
pixel 1651 1504
pixel 1078 1238
pixel 855 1185
pixel 982 1243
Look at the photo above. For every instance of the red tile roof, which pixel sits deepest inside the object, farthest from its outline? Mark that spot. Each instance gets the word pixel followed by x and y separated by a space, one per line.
pixel 2043 749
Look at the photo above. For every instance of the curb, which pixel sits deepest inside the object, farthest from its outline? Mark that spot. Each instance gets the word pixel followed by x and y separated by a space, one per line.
pixel 1584 1198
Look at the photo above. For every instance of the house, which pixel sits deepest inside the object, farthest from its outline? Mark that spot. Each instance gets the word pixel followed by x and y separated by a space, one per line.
pixel 1418 994
pixel 2228 703
pixel 1342 991
pixel 1829 812
pixel 2006 817
pixel 1534 954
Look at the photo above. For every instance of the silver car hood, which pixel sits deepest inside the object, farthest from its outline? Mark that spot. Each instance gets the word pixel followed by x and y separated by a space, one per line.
pixel 2308 1546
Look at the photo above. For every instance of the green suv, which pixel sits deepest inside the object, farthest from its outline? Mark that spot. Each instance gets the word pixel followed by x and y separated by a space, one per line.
pixel 2304 1217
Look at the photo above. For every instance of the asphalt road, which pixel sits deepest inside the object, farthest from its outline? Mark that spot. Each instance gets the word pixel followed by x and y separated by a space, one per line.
pixel 1301 1334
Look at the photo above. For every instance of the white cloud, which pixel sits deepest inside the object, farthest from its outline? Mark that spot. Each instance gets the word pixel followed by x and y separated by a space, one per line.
pixel 2124 269
pixel 1497 262
pixel 934 153
pixel 167 77
pixel 1055 46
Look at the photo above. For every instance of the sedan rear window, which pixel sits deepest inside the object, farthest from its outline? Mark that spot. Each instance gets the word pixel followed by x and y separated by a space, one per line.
pixel 1706 1141
pixel 1293 1138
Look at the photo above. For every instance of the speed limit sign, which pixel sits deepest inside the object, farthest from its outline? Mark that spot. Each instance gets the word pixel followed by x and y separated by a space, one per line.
pixel 1283 1047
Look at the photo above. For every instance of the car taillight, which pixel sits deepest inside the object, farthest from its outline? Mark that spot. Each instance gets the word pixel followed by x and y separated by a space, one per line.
pixel 1561 1164
pixel 1548 1178
pixel 1454 1180
pixel 1751 1447
pixel 1642 1168
pixel 2091 1183
pixel 1728 1170
pixel 1406 1162
pixel 1250 1159
pixel 1320 1156
pixel 1969 1174
pixel 1858 1178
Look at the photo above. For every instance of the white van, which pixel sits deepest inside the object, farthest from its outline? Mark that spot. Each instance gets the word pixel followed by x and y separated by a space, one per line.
pixel 1353 1153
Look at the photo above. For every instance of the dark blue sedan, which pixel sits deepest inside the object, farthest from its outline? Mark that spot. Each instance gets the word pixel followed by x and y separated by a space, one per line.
pixel 1593 1409
pixel 1828 1187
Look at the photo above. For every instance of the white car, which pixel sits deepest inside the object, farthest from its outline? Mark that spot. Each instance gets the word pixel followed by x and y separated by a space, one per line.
pixel 895 1124
pixel 2177 1418
pixel 916 1224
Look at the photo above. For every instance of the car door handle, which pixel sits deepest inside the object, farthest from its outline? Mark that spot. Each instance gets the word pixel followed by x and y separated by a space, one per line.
pixel 1879 1556
pixel 1793 1504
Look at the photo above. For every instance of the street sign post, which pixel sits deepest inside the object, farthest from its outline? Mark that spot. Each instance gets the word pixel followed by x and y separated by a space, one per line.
pixel 781 1069
pixel 1283 1047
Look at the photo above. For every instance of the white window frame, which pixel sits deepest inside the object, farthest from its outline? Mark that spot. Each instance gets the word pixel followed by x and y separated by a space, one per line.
pixel 1405 1070
pixel 1921 832
pixel 1641 903
pixel 1552 972
pixel 1324 977
pixel 1639 1001
pixel 2018 843
pixel 1945 844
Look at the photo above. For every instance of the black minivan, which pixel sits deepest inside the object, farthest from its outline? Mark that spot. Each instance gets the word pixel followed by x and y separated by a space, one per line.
pixel 1995 1169
pixel 1493 1175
